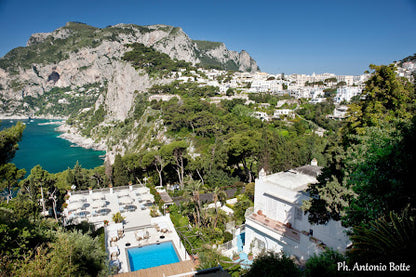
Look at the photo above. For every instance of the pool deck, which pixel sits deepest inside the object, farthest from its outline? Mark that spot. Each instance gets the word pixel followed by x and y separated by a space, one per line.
pixel 137 221
pixel 114 200
pixel 181 268
pixel 154 237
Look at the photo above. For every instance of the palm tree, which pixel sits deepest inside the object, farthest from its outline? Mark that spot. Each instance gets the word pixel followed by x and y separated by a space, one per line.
pixel 192 191
pixel 118 218
pixel 386 238
pixel 218 195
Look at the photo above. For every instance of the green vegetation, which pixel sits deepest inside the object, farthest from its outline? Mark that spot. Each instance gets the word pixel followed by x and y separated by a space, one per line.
pixel 205 45
pixel 31 245
pixel 153 62
pixel 368 182
pixel 273 264
pixel 66 102
pixel 318 114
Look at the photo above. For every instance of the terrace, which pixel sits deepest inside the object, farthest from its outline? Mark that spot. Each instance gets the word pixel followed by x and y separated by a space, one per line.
pixel 276 226
pixel 138 228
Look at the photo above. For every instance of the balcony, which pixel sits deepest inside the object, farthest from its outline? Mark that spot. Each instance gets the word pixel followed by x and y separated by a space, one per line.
pixel 276 226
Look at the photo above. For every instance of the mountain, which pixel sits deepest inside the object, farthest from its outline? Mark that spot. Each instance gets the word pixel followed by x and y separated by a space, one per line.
pixel 86 63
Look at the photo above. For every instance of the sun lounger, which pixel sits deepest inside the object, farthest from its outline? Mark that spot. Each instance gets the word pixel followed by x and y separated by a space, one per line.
pixel 139 235
pixel 113 235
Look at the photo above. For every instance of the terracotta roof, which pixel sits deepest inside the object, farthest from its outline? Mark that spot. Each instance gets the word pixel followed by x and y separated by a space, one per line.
pixel 165 197
pixel 163 270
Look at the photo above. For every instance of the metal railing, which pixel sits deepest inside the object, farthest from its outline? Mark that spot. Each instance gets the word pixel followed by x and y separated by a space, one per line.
pixel 226 246
pixel 249 211
pixel 77 192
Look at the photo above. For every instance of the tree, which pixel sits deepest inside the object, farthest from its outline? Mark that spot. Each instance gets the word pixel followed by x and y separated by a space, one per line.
pixel 158 160
pixel 9 177
pixel 386 98
pixel 71 254
pixel 9 173
pixel 371 168
pixel 198 164
pixel 118 218
pixel 244 148
pixel 8 142
pixel 176 151
pixel 192 194
pixel 230 92
pixel 273 264
pixel 324 264
pixel 39 183
pixel 218 195
pixel 240 208
pixel 249 191
pixel 390 238
pixel 120 173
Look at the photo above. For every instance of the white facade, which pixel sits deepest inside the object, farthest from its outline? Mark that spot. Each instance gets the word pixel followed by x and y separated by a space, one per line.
pixel 261 115
pixel 278 223
pixel 278 113
pixel 346 93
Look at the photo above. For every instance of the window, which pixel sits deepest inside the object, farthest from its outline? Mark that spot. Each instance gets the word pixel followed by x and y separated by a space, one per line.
pixel 298 213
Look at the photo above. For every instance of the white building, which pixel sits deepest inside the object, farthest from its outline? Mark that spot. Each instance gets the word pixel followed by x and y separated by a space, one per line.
pixel 163 97
pixel 261 115
pixel 346 93
pixel 278 113
pixel 278 223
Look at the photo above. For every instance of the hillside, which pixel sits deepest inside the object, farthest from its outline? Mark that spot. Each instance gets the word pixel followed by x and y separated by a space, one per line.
pixel 78 57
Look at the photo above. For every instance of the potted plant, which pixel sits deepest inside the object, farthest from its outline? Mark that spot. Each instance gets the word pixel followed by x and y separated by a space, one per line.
pixel 260 212
pixel 250 256
pixel 118 218
pixel 106 222
pixel 64 205
pixel 235 256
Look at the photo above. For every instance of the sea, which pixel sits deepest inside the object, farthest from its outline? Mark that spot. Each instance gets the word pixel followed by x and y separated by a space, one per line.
pixel 41 145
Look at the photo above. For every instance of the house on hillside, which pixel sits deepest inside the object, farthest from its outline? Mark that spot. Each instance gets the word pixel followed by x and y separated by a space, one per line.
pixel 278 223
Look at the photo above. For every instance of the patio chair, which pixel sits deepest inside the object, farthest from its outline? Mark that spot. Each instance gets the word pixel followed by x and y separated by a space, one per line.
pixel 114 256
pixel 139 236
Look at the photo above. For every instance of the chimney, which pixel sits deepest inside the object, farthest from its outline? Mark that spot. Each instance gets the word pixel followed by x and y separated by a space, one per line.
pixel 262 173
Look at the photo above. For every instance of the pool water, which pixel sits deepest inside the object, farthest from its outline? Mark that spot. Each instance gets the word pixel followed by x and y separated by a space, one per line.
pixel 152 255
pixel 241 241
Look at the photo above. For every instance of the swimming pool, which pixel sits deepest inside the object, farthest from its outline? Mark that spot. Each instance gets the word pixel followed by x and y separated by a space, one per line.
pixel 152 255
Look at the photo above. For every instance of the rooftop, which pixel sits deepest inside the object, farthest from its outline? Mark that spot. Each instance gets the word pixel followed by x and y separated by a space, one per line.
pixel 294 179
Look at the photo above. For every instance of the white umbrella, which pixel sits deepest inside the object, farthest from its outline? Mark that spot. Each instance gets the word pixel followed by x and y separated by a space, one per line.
pixel 141 190
pixel 125 200
pixel 97 196
pixel 99 203
pixel 75 206
pixel 122 194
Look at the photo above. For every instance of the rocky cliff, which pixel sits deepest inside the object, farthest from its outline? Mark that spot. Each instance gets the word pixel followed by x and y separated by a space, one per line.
pixel 84 62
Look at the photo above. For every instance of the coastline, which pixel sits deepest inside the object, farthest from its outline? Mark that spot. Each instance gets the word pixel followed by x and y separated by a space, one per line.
pixel 68 133
pixel 17 117
pixel 72 134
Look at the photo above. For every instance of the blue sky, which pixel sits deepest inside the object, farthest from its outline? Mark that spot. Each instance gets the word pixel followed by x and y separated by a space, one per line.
pixel 305 36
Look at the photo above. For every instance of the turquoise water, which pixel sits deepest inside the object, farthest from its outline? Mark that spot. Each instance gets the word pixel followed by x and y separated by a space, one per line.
pixel 40 145
pixel 152 255
pixel 241 241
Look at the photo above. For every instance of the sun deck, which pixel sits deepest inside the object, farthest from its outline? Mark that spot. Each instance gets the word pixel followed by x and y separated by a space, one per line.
pixel 138 228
